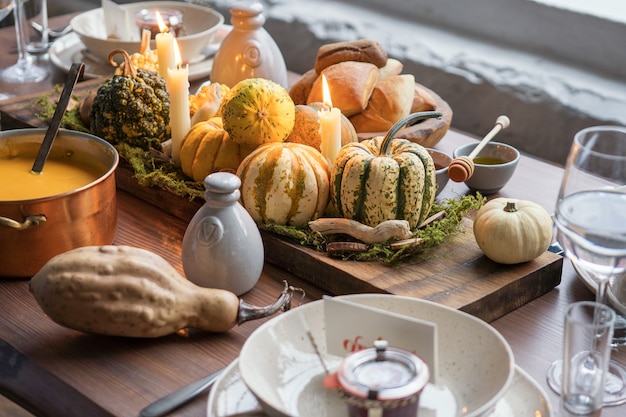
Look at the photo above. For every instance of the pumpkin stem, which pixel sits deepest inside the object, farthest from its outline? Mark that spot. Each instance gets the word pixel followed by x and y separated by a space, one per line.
pixel 413 117
pixel 510 207
pixel 249 312
pixel 129 68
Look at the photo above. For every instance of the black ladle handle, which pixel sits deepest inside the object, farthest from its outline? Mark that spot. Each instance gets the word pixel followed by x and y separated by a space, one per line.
pixel 75 72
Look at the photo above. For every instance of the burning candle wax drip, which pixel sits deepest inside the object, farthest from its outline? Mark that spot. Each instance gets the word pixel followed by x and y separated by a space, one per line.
pixel 178 89
pixel 330 126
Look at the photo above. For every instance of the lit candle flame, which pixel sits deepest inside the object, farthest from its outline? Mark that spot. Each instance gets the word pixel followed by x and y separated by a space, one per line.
pixel 328 103
pixel 162 26
pixel 177 59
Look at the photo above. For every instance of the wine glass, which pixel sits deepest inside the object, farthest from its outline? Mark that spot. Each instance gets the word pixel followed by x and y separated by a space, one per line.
pixel 24 71
pixel 590 224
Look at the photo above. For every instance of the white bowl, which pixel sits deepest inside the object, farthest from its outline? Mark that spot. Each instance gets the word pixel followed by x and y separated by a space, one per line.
pixel 490 178
pixel 279 364
pixel 200 24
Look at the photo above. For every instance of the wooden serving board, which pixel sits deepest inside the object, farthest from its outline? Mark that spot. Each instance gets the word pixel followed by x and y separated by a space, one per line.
pixel 456 273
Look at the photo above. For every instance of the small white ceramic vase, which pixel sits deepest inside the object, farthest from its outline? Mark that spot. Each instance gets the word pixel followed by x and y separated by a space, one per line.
pixel 248 51
pixel 222 246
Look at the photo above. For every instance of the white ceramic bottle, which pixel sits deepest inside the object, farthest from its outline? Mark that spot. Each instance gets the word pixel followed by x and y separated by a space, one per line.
pixel 248 51
pixel 222 246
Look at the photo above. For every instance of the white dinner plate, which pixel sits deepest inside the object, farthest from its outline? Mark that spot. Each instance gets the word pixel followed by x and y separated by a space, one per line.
pixel 279 364
pixel 69 49
pixel 525 397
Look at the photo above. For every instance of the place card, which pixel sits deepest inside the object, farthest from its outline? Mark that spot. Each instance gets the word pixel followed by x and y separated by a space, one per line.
pixel 116 21
pixel 351 327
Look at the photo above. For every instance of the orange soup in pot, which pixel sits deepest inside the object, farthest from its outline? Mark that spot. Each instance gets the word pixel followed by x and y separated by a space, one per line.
pixel 61 173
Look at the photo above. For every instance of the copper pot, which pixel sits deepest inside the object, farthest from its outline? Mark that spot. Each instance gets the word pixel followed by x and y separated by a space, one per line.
pixel 33 231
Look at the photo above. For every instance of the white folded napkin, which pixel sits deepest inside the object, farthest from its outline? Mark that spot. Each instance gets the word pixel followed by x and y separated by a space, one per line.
pixel 117 21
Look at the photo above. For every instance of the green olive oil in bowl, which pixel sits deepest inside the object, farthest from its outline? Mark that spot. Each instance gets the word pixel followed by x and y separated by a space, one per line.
pixel 493 166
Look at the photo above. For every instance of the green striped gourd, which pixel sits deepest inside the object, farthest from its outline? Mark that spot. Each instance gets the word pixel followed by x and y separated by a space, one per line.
pixel 284 183
pixel 384 178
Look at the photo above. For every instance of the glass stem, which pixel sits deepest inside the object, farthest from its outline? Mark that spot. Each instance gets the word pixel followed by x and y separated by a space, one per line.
pixel 20 31
pixel 601 290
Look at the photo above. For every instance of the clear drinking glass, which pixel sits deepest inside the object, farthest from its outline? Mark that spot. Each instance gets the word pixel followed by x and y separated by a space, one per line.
pixel 36 29
pixel 25 70
pixel 586 355
pixel 590 223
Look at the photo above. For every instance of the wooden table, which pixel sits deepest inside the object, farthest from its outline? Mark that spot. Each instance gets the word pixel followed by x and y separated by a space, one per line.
pixel 53 371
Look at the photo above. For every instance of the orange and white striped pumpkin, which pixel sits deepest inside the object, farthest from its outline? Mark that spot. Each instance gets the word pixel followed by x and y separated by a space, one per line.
pixel 284 183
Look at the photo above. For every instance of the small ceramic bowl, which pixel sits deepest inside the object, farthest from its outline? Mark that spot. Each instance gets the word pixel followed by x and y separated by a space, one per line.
pixel 199 25
pixel 493 167
pixel 441 161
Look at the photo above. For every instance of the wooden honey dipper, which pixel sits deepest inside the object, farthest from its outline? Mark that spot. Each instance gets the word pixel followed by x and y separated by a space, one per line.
pixel 462 167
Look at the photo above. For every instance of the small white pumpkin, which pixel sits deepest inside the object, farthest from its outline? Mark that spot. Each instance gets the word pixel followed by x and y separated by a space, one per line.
pixel 511 231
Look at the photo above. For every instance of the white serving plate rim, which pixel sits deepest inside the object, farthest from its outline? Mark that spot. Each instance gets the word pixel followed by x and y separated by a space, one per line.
pixel 69 49
pixel 229 386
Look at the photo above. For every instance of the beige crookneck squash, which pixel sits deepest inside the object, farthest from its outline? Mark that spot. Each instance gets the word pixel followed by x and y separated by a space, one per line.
pixel 384 178
pixel 132 292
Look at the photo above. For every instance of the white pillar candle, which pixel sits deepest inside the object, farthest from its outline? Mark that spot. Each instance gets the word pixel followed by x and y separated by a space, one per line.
pixel 165 43
pixel 178 89
pixel 330 126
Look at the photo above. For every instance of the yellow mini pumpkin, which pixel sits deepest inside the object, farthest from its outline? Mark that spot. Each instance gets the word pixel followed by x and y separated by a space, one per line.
pixel 511 231
pixel 284 183
pixel 384 178
pixel 207 148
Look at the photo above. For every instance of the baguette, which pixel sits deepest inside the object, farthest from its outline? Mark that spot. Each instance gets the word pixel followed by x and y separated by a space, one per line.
pixel 362 50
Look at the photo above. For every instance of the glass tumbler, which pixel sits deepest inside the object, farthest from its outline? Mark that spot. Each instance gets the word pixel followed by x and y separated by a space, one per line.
pixel 586 355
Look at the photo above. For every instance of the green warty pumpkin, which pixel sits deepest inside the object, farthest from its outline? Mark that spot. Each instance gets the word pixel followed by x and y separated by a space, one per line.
pixel 132 107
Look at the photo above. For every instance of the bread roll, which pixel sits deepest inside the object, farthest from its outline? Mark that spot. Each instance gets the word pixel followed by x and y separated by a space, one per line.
pixel 390 101
pixel 391 68
pixel 422 100
pixel 362 50
pixel 300 90
pixel 350 84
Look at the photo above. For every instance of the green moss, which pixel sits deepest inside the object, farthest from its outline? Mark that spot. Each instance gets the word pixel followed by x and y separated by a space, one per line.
pixel 152 171
pixel 432 235
pixel 44 107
